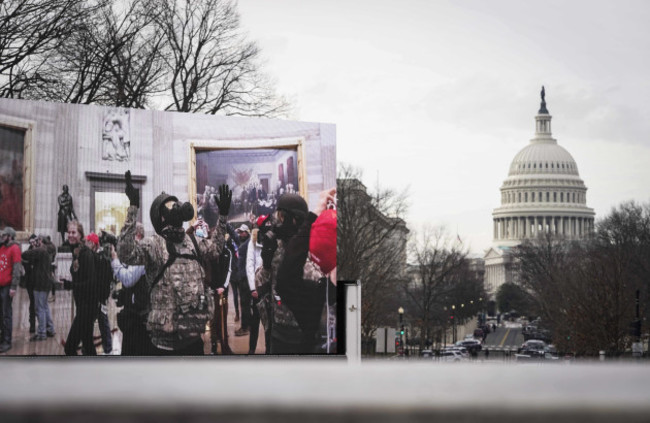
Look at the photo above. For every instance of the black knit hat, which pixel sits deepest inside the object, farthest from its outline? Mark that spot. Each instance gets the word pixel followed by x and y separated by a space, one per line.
pixel 294 204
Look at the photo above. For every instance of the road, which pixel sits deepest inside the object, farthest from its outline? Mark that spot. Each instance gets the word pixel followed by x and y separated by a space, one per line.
pixel 505 338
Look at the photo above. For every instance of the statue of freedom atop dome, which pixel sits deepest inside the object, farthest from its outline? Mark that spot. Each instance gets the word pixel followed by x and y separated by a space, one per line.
pixel 542 109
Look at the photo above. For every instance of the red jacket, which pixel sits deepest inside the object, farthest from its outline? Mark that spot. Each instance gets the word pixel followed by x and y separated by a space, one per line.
pixel 9 256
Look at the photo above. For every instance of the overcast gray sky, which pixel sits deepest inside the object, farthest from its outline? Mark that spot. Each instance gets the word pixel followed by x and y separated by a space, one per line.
pixel 439 96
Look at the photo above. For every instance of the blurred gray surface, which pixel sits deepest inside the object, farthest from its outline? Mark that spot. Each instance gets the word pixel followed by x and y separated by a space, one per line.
pixel 247 389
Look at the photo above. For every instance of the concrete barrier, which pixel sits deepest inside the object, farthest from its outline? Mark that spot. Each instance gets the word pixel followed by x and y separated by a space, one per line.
pixel 108 389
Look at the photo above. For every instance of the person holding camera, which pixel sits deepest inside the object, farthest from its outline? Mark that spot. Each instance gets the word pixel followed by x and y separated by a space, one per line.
pixel 302 282
pixel 293 289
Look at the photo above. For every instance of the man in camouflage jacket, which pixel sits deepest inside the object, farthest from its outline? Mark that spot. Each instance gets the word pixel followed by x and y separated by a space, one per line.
pixel 177 317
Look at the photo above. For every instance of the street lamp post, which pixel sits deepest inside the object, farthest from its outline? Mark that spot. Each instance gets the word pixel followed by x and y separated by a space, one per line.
pixel 453 322
pixel 401 329
pixel 445 329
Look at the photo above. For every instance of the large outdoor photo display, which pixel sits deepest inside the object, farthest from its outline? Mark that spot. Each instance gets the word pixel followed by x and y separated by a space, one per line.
pixel 144 233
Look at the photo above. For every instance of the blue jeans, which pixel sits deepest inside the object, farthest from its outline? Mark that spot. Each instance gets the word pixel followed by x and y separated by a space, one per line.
pixel 43 314
pixel 6 312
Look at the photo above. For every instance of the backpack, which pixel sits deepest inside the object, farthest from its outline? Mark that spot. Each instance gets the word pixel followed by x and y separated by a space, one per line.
pixel 104 275
pixel 186 306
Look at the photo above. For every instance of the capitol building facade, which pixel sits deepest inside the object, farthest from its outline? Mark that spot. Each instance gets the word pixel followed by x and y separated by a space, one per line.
pixel 543 193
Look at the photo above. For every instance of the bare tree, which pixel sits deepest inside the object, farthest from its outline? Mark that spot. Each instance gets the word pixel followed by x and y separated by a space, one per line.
pixel 441 278
pixel 586 290
pixel 511 296
pixel 212 67
pixel 30 31
pixel 113 57
pixel 371 246
pixel 190 57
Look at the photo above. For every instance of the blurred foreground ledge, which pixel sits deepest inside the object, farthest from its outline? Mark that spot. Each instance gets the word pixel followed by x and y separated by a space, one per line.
pixel 112 389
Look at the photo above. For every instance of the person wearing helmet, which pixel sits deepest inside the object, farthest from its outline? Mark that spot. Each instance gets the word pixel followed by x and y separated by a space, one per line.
pixel 180 304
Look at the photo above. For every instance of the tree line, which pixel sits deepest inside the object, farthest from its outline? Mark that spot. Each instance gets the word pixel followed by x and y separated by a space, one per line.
pixel 374 246
pixel 585 291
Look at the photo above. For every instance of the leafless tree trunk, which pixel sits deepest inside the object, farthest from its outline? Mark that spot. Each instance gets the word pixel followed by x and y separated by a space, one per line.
pixel 371 247
pixel 441 278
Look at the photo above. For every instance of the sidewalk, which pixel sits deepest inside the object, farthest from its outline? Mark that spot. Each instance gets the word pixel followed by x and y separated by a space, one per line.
pixel 62 315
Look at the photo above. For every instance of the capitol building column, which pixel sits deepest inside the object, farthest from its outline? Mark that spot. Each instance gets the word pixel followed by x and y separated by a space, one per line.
pixel 580 227
pixel 552 227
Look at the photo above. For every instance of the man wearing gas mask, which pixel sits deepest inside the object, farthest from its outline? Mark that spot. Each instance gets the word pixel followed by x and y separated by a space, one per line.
pixel 180 305
pixel 292 293
pixel 281 330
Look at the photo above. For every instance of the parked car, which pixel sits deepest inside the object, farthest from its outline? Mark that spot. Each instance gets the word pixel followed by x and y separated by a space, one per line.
pixel 532 347
pixel 451 356
pixel 472 345
pixel 462 350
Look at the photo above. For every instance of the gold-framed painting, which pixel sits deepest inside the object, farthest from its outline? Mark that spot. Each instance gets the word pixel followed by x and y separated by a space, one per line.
pixel 257 172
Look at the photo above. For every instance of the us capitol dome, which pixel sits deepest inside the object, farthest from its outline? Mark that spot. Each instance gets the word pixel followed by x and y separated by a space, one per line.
pixel 543 193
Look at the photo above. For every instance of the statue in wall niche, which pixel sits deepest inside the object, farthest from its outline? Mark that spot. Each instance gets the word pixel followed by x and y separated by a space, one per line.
pixel 66 213
pixel 116 141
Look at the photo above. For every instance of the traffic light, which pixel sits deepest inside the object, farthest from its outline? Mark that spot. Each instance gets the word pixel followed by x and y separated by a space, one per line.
pixel 396 342
pixel 401 332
